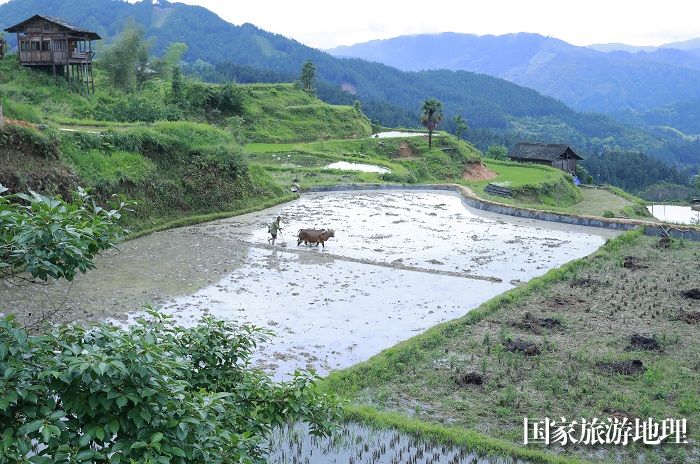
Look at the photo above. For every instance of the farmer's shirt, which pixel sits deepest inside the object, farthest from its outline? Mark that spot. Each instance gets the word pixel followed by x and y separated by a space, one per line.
pixel 274 227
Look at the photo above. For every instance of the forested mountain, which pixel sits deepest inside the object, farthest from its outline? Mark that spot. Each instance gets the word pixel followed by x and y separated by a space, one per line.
pixel 497 111
pixel 584 78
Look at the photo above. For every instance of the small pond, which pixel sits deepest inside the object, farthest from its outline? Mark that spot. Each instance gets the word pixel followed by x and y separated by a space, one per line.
pixel 675 214
pixel 345 166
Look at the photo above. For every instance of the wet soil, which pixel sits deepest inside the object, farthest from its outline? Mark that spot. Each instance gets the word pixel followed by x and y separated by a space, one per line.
pixel 640 342
pixel 402 261
pixel 622 367
pixel 536 324
pixel 469 378
pixel 692 294
pixel 521 346
pixel 632 262
pixel 691 317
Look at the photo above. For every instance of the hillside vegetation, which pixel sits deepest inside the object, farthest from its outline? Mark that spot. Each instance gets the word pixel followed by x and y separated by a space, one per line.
pixel 174 159
pixel 498 111
pixel 224 148
pixel 283 113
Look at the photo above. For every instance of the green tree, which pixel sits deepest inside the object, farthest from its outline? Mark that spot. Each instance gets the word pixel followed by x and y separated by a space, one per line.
pixel 460 124
pixel 51 238
pixel 176 86
pixel 308 77
pixel 498 152
pixel 431 116
pixel 125 61
pixel 357 105
pixel 170 59
pixel 151 393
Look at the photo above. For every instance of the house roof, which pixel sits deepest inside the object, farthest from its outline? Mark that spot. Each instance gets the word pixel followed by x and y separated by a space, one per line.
pixel 541 151
pixel 61 22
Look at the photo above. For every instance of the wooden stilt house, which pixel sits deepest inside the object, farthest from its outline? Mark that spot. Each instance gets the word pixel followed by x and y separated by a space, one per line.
pixel 55 45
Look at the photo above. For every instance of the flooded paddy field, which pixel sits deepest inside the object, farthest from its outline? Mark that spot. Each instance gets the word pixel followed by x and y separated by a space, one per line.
pixel 400 263
pixel 359 444
pixel 361 167
pixel 675 214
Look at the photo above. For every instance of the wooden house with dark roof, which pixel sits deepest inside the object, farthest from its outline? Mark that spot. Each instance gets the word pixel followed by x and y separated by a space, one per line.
pixel 54 44
pixel 559 156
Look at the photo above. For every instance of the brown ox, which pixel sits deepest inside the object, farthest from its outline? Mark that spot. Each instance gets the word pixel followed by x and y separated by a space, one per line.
pixel 314 236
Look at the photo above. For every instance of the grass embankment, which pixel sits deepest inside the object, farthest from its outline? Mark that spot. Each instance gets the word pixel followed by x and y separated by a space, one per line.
pixel 409 160
pixel 578 316
pixel 284 113
pixel 180 171
pixel 532 185
pixel 543 187
pixel 172 170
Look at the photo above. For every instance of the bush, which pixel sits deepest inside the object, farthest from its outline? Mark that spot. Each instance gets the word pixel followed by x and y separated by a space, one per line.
pixel 399 178
pixel 608 214
pixel 134 108
pixel 49 237
pixel 224 100
pixel 498 152
pixel 152 393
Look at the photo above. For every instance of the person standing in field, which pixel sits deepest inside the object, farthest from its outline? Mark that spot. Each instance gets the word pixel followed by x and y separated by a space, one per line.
pixel 273 228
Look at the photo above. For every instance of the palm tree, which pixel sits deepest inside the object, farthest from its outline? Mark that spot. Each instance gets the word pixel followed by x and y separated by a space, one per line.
pixel 431 116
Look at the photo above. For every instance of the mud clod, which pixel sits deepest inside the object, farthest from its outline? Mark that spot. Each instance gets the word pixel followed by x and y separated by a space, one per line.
pixel 521 346
pixel 632 367
pixel 693 294
pixel 584 282
pixel 665 242
pixel 632 262
pixel 691 317
pixel 536 324
pixel 469 378
pixel 640 342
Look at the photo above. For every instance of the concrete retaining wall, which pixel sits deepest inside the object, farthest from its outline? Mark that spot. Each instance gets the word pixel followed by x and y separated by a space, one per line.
pixel 651 228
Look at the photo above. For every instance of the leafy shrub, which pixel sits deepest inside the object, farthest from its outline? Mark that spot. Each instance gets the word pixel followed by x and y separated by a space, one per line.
pixel 608 214
pixel 400 178
pixel 227 160
pixel 152 393
pixel 498 152
pixel 134 108
pixel 226 99
pixel 49 237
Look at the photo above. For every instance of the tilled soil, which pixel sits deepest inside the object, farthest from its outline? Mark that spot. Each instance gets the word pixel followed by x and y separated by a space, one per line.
pixel 400 263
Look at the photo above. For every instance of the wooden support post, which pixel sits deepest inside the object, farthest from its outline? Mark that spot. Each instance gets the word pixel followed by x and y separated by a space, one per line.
pixel 2 118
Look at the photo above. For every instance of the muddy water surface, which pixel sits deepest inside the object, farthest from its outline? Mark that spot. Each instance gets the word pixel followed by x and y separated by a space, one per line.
pixel 400 263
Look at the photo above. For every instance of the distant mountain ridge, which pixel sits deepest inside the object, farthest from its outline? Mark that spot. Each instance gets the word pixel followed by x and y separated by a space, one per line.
pixel 584 78
pixel 497 111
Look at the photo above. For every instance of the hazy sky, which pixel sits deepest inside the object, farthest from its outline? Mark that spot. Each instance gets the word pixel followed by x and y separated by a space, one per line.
pixel 327 23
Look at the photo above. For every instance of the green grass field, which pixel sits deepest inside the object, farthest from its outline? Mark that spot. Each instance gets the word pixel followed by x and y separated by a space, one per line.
pixel 533 186
pixel 596 305
pixel 517 175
